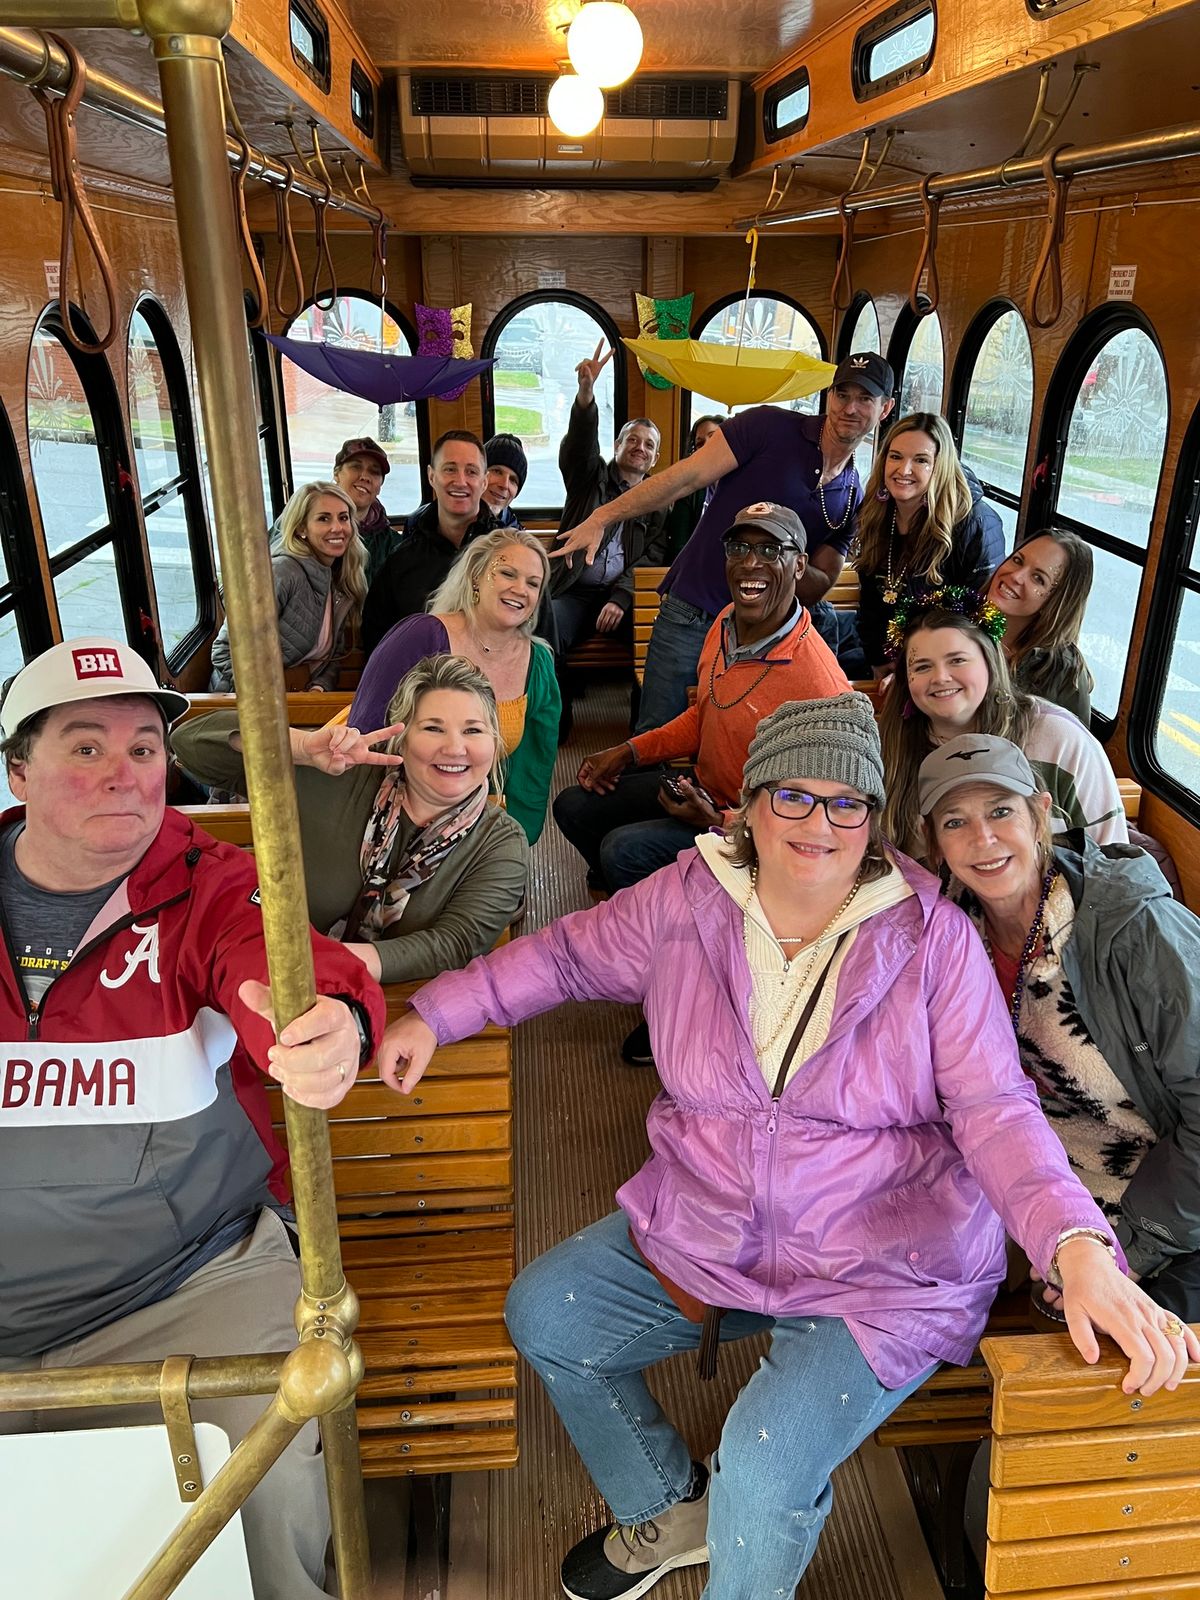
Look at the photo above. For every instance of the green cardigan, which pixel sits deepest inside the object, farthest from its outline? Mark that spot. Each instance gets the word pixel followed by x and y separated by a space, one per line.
pixel 458 914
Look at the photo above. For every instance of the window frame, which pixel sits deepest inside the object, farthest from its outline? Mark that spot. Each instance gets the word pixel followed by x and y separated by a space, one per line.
pixel 185 485
pixel 904 331
pixel 773 129
pixel 965 362
pixel 702 321
pixel 269 435
pixel 361 83
pixel 1084 345
pixel 850 316
pixel 122 530
pixel 880 27
pixel 1178 574
pixel 22 594
pixel 284 443
pixel 310 14
pixel 620 366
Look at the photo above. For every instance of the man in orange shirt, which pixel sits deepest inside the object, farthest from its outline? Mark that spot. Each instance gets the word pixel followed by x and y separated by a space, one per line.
pixel 759 652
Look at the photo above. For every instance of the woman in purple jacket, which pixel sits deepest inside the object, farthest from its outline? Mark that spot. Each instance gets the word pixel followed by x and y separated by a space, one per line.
pixel 842 1117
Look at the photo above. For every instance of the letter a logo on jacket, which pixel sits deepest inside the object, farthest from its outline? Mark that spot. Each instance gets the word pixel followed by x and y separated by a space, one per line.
pixel 145 950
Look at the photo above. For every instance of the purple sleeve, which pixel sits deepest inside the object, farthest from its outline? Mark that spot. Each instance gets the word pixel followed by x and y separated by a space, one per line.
pixel 401 647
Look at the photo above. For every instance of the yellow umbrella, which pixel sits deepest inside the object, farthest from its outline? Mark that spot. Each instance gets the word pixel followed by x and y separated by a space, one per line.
pixel 732 374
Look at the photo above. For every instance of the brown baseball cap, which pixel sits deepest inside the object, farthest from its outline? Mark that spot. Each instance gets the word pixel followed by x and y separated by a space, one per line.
pixel 781 522
pixel 362 447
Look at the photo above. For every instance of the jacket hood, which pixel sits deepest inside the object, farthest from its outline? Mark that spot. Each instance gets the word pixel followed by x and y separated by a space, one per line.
pixel 1112 883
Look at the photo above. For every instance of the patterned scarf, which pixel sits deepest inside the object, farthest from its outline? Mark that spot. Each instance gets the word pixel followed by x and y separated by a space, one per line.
pixel 387 884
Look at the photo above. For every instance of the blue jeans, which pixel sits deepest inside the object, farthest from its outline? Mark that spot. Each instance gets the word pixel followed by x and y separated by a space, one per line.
pixel 626 835
pixel 672 658
pixel 590 1317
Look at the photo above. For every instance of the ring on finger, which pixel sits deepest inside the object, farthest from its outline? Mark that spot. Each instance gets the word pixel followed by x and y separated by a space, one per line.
pixel 1173 1328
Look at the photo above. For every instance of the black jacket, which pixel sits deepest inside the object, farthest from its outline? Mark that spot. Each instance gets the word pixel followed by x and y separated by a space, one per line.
pixel 977 551
pixel 590 481
pixel 421 564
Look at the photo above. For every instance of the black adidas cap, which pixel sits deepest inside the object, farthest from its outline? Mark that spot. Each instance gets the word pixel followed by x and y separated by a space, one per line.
pixel 870 371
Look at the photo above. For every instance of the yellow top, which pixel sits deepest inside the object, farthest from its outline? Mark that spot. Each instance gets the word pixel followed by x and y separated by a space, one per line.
pixel 512 721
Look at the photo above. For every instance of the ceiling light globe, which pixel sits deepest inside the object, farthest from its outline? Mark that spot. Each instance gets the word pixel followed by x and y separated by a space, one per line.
pixel 575 105
pixel 605 43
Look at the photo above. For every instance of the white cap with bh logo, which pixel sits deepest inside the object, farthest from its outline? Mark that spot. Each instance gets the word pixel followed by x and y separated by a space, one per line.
pixel 83 669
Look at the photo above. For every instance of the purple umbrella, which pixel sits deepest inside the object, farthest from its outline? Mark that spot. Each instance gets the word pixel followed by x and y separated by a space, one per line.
pixel 382 378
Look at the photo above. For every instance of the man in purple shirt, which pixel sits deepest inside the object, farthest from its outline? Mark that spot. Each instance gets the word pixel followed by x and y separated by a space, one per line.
pixel 804 462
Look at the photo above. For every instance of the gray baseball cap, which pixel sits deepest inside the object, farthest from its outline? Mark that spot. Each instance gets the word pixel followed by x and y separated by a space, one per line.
pixel 974 758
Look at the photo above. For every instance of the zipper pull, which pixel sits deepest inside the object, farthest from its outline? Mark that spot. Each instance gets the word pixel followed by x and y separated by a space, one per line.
pixel 32 1019
pixel 774 1112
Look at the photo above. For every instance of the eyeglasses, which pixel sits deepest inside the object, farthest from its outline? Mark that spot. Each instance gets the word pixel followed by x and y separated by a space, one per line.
pixel 770 552
pixel 841 810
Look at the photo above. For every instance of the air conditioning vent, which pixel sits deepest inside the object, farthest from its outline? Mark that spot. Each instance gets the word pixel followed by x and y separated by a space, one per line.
pixel 698 100
pixel 480 97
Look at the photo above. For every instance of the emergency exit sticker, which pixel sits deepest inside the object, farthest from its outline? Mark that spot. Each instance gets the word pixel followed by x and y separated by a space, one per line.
pixel 552 278
pixel 1120 282
pixel 51 270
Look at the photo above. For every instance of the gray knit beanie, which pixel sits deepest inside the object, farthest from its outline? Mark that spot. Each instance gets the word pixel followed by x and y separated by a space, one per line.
pixel 831 741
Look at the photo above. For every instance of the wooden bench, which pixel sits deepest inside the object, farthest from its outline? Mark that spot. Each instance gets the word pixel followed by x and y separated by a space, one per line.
pixel 1094 1494
pixel 424 1187
pixel 304 708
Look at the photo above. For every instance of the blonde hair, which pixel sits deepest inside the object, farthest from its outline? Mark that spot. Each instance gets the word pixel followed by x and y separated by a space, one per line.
pixel 459 591
pixel 349 570
pixel 447 672
pixel 947 503
pixel 1004 711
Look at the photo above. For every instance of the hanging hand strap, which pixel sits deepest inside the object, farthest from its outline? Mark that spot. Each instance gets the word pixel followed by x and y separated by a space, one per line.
pixel 931 205
pixel 1049 263
pixel 842 291
pixel 66 179
pixel 288 258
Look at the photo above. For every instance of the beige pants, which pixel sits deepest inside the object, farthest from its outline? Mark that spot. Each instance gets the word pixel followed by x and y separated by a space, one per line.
pixel 241 1303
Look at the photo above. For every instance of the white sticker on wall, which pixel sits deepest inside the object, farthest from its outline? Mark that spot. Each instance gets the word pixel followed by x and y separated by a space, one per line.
pixel 51 270
pixel 554 278
pixel 1120 282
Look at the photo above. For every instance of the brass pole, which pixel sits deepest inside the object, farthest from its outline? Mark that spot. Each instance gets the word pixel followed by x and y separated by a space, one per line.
pixel 316 1379
pixel 189 67
pixel 132 1383
pixel 343 1481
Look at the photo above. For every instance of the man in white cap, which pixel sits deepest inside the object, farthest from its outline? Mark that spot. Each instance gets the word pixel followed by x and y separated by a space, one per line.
pixel 145 1196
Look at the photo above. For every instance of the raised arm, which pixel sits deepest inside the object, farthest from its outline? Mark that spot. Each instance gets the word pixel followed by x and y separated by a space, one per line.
pixel 711 462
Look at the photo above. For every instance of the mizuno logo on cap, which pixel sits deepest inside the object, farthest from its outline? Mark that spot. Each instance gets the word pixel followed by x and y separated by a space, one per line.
pixel 96 664
pixel 965 755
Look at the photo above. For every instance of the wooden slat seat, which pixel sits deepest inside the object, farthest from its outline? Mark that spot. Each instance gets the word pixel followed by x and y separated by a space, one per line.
pixel 424 1193
pixel 1095 1494
pixel 305 709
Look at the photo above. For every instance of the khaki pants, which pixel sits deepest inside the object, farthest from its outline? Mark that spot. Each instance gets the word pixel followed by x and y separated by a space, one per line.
pixel 241 1303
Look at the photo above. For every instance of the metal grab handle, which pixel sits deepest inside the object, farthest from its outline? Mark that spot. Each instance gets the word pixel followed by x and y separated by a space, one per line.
pixel 288 258
pixel 69 191
pixel 931 205
pixel 1049 262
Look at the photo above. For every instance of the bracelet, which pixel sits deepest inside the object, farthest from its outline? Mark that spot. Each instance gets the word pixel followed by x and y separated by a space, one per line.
pixel 629 746
pixel 1054 1277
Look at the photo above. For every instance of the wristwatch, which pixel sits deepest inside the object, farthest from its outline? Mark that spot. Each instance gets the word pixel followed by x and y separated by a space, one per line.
pixel 362 1023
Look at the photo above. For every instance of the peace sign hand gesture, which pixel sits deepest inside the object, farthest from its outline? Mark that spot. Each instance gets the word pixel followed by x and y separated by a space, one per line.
pixel 588 371
pixel 336 748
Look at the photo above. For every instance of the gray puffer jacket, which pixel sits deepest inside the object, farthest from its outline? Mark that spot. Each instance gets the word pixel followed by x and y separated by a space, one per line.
pixel 1131 961
pixel 301 591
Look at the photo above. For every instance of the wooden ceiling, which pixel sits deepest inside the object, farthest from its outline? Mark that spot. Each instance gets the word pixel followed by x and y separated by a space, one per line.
pixel 741 37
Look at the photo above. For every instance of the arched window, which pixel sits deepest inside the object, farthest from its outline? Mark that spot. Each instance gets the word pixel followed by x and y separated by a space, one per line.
pixel 1164 728
pixel 321 419
pixel 859 334
pixel 994 407
pixel 1104 431
pixel 917 357
pixel 538 340
pixel 762 322
pixel 81 469
pixel 165 463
